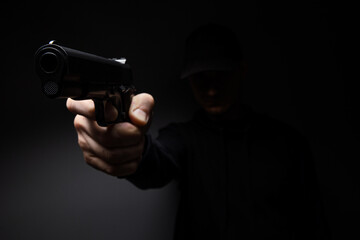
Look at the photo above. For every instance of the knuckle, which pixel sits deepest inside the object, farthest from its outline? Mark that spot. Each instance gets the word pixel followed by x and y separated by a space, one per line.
pixel 126 131
pixel 78 124
pixel 133 131
pixel 88 159
pixel 107 154
pixel 104 136
pixel 133 167
pixel 110 170
pixel 82 143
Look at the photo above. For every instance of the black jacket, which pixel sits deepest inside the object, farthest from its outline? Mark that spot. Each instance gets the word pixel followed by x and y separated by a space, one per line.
pixel 250 178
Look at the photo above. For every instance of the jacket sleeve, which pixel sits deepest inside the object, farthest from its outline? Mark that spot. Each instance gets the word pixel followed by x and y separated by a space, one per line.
pixel 309 221
pixel 161 159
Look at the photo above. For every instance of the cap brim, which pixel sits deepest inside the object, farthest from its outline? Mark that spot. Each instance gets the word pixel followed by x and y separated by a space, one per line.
pixel 199 67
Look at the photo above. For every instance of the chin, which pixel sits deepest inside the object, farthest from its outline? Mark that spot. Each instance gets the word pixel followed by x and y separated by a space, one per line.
pixel 215 110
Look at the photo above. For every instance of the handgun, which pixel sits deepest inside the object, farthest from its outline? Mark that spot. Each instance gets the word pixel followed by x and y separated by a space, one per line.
pixel 70 73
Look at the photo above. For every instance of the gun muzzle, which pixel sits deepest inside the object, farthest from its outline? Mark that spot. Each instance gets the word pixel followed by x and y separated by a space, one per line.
pixel 50 61
pixel 66 72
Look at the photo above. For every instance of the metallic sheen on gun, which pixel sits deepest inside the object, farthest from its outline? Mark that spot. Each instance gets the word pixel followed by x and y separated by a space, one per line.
pixel 69 73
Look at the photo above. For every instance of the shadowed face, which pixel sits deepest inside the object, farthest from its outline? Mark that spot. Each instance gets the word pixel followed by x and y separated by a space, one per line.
pixel 216 91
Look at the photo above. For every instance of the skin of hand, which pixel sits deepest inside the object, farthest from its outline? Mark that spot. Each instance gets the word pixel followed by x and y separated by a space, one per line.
pixel 117 148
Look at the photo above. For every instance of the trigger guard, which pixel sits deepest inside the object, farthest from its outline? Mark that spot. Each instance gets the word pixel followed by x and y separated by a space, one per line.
pixel 100 112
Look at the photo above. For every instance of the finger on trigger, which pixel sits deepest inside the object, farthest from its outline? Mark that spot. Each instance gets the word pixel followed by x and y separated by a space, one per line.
pixel 111 113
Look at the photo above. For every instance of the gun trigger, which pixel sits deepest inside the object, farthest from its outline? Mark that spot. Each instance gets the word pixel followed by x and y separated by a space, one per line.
pixel 99 112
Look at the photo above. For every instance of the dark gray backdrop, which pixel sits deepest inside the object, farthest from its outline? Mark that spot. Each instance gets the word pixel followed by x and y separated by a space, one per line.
pixel 300 71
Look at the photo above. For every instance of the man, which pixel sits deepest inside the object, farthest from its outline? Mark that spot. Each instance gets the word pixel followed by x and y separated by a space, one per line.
pixel 242 175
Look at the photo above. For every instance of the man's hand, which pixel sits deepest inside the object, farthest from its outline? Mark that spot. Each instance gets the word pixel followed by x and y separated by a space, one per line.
pixel 115 149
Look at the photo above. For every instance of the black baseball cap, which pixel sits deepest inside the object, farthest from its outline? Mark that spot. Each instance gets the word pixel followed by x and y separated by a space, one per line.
pixel 211 47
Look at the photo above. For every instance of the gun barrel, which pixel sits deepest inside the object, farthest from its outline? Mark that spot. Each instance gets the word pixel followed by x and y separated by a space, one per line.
pixel 49 62
pixel 66 72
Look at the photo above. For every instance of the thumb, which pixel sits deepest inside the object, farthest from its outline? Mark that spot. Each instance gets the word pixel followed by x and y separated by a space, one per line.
pixel 141 109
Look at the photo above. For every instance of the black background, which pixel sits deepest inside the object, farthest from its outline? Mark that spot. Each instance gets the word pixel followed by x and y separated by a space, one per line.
pixel 302 70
